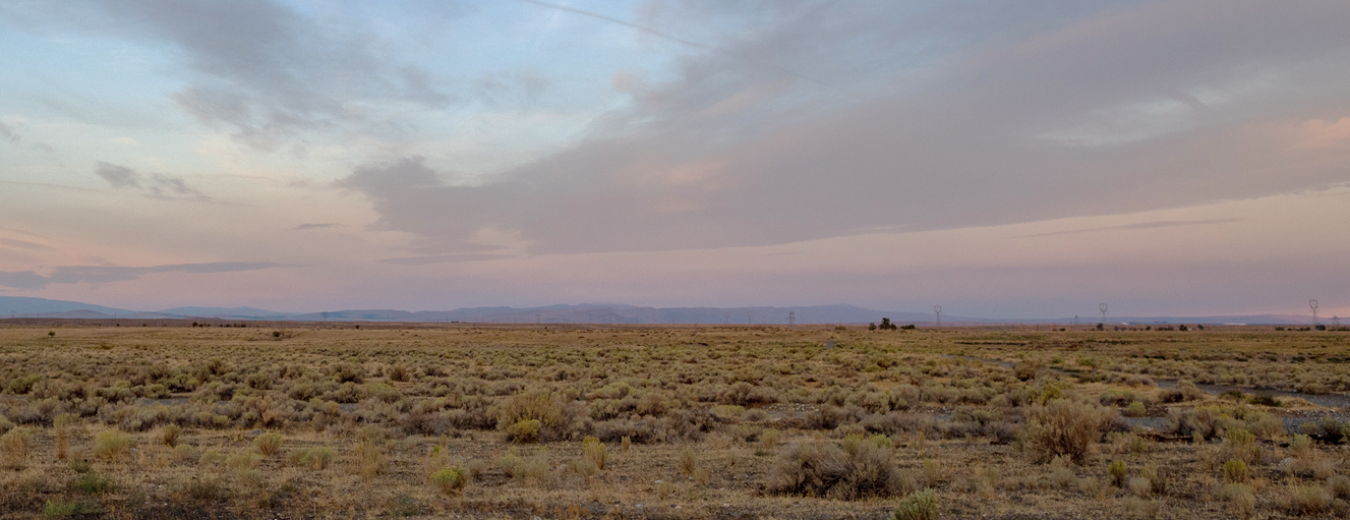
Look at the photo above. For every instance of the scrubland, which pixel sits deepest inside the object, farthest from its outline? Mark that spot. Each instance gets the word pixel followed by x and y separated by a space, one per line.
pixel 330 421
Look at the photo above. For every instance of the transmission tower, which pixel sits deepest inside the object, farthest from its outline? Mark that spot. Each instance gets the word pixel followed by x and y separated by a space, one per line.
pixel 1313 304
pixel 937 311
pixel 792 317
pixel 1103 309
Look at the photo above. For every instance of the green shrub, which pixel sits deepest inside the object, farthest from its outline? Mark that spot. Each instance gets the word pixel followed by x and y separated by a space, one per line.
pixel 62 509
pixel 524 431
pixel 541 407
pixel 267 443
pixel 1117 472
pixel 1300 444
pixel 313 458
pixel 112 444
pixel 91 484
pixel 449 481
pixel 1241 444
pixel 728 410
pixel 511 465
pixel 1136 409
pixel 919 505
pixel 23 384
pixel 595 451
pixel 1236 471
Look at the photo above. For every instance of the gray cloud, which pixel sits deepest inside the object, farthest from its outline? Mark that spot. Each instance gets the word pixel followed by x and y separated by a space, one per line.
pixel 23 280
pixel 8 133
pixel 302 227
pixel 109 274
pixel 24 244
pixel 265 72
pixel 445 259
pixel 969 114
pixel 1140 225
pixel 522 88
pixel 155 184
pixel 118 176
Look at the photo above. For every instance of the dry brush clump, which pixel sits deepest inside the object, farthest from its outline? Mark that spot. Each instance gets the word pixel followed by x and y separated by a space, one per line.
pixel 856 469
pixel 14 445
pixel 1063 428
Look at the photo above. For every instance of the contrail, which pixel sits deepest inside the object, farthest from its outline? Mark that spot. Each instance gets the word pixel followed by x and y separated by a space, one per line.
pixel 673 38
pixel 624 23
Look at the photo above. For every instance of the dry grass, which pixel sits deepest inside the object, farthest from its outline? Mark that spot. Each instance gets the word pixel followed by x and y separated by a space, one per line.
pixel 719 421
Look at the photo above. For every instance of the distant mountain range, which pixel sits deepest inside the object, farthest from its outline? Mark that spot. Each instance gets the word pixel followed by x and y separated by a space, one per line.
pixel 23 307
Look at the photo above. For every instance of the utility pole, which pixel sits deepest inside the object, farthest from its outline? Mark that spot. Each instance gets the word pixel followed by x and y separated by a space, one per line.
pixel 792 318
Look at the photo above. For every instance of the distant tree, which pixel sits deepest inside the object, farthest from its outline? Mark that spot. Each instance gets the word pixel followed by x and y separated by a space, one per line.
pixel 871 326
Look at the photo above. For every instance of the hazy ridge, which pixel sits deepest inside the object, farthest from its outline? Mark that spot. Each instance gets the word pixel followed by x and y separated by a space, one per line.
pixel 23 307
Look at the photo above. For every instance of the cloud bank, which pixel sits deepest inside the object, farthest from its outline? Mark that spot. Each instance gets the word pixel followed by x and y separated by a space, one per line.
pixel 1110 108
pixel 108 274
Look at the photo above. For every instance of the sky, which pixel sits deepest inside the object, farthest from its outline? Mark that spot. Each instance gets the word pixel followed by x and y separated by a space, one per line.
pixel 1027 159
